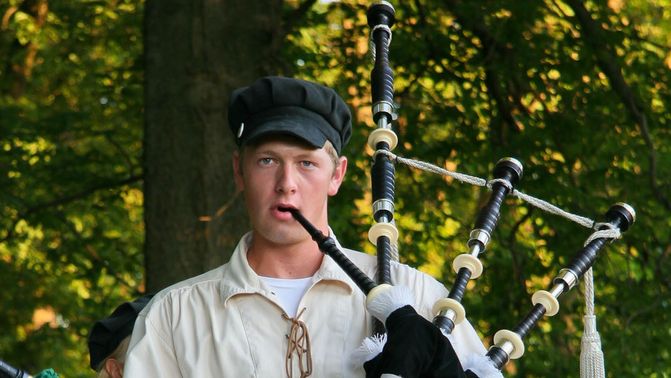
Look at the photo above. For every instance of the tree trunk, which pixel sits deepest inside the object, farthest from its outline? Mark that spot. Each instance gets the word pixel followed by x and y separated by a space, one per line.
pixel 196 52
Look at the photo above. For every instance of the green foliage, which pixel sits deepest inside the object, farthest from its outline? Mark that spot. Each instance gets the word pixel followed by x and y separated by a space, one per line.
pixel 70 133
pixel 474 81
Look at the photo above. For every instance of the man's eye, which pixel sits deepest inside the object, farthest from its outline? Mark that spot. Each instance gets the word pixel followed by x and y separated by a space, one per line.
pixel 307 164
pixel 265 161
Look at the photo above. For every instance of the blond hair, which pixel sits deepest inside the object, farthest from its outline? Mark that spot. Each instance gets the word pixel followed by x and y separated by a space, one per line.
pixel 118 354
pixel 333 154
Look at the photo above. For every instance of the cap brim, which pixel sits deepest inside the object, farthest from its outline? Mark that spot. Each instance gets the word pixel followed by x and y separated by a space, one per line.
pixel 303 128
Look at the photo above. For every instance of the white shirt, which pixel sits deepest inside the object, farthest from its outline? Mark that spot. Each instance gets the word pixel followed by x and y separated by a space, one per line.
pixel 227 323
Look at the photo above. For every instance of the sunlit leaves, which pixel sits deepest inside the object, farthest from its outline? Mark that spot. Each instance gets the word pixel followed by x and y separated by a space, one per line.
pixel 70 132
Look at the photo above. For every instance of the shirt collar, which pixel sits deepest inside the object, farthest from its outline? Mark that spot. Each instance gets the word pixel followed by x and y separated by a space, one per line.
pixel 241 278
pixel 330 270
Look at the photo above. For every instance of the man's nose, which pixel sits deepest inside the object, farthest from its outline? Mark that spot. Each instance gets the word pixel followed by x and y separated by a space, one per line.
pixel 286 182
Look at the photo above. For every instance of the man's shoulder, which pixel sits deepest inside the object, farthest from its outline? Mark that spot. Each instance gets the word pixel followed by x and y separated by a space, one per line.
pixel 366 261
pixel 359 257
pixel 211 277
pixel 215 274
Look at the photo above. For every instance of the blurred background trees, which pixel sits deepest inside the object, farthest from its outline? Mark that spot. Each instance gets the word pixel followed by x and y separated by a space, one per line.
pixel 113 113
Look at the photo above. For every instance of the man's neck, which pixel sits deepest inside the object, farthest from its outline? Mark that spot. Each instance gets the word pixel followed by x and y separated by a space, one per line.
pixel 298 260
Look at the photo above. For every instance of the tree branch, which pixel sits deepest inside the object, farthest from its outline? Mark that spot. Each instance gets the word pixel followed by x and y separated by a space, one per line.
pixel 493 54
pixel 65 200
pixel 289 22
pixel 606 60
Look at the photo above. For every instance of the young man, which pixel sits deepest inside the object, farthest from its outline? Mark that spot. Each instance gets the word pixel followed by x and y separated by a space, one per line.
pixel 279 307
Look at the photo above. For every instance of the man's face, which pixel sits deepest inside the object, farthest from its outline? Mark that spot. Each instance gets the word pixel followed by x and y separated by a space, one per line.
pixel 283 173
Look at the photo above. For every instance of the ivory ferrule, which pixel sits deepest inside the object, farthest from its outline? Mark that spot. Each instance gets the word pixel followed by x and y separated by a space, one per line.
pixel 383 229
pixel 450 309
pixel 382 135
pixel 469 262
pixel 547 300
pixel 510 342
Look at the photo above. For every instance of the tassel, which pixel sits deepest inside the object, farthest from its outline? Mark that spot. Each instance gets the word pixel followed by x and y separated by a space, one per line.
pixel 591 356
pixel 369 348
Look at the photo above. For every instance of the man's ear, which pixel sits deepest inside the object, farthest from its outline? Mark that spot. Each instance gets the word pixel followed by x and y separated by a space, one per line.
pixel 338 176
pixel 237 171
pixel 114 368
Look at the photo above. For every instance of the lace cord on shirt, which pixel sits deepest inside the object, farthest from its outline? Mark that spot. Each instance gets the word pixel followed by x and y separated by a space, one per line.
pixel 299 342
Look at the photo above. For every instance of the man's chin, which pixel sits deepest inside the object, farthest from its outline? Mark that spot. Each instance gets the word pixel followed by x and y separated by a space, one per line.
pixel 285 236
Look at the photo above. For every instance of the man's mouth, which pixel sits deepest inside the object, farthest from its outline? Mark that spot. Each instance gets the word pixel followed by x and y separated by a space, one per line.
pixel 286 208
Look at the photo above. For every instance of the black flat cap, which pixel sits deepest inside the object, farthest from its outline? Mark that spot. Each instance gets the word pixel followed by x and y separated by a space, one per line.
pixel 106 334
pixel 281 105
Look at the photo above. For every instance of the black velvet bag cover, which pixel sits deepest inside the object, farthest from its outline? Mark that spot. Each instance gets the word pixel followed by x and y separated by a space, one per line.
pixel 415 348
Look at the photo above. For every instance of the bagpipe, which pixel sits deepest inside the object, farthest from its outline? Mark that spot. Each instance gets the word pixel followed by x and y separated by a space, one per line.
pixel 414 346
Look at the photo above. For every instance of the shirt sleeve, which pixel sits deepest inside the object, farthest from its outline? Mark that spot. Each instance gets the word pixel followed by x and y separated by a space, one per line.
pixel 151 352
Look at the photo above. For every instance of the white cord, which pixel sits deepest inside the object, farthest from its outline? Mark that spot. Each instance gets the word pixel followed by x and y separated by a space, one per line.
pixel 477 181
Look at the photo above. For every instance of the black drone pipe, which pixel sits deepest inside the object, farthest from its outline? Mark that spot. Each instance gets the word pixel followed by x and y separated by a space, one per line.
pixel 508 344
pixel 507 173
pixel 381 17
